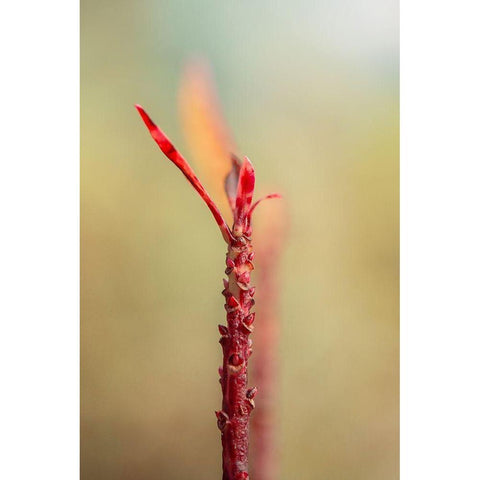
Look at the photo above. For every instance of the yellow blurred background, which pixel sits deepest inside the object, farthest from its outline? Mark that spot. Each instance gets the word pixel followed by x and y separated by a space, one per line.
pixel 310 91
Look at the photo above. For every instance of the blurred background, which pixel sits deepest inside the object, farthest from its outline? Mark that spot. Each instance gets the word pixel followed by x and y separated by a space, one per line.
pixel 310 91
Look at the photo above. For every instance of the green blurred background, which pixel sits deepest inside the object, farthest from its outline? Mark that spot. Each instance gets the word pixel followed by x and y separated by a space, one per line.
pixel 310 90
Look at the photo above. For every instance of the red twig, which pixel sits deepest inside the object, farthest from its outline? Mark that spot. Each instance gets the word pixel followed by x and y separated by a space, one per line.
pixel 237 404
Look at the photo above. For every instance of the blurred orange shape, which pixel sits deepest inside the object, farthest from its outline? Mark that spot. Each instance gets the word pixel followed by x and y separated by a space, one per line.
pixel 207 135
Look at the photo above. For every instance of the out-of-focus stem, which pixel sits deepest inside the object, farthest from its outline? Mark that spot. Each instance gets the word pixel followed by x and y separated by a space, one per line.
pixel 264 366
pixel 264 429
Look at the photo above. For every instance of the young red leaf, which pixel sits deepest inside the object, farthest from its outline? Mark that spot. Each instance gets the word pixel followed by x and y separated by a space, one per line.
pixel 174 155
pixel 246 184
pixel 266 197
pixel 206 131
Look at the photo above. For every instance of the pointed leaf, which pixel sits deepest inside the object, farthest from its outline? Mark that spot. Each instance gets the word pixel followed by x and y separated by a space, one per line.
pixel 172 153
pixel 246 184
pixel 266 197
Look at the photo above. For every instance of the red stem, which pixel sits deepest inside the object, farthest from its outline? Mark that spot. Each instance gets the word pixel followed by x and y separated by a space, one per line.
pixel 237 347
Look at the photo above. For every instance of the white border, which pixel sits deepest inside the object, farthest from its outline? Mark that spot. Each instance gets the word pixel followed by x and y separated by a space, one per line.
pixel 39 240
pixel 440 240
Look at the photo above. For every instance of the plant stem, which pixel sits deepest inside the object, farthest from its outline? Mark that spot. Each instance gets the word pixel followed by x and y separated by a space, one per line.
pixel 237 401
pixel 269 239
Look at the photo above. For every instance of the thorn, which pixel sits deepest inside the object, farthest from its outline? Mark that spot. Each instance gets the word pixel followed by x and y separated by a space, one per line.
pixel 228 270
pixel 222 419
pixel 223 330
pixel 251 256
pixel 249 319
pixel 251 292
pixel 246 328
pixel 230 262
pixel 251 392
pixel 232 301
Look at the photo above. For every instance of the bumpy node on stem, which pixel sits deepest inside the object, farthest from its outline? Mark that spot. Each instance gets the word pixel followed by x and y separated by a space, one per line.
pixel 237 401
